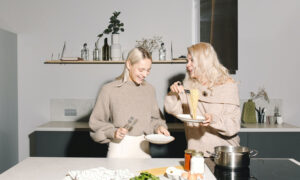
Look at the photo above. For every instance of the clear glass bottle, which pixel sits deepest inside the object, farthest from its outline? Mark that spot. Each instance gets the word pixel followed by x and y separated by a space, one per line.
pixel 85 52
pixel 96 53
pixel 162 52
pixel 105 51
pixel 197 163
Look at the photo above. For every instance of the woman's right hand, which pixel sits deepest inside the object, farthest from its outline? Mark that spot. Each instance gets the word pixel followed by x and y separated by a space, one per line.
pixel 177 87
pixel 120 133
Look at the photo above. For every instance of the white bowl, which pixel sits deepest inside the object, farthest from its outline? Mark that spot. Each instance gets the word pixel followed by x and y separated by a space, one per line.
pixel 159 138
pixel 173 173
pixel 188 118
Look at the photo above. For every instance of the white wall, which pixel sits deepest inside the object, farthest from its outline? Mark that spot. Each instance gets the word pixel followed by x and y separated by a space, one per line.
pixel 8 100
pixel 42 28
pixel 269 51
pixel 268 43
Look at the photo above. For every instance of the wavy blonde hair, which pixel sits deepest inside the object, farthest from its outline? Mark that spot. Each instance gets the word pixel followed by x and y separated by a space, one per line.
pixel 134 56
pixel 207 64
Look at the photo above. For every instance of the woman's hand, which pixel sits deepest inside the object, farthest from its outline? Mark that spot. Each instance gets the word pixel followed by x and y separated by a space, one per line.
pixel 120 133
pixel 162 130
pixel 177 87
pixel 208 118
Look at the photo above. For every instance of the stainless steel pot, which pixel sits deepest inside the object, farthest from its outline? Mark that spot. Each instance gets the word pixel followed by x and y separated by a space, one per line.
pixel 233 157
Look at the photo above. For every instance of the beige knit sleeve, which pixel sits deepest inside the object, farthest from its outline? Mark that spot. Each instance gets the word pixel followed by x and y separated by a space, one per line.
pixel 157 118
pixel 227 123
pixel 102 130
pixel 176 103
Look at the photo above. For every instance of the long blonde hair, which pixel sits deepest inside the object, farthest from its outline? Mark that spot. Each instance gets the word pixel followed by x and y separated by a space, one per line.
pixel 134 56
pixel 207 64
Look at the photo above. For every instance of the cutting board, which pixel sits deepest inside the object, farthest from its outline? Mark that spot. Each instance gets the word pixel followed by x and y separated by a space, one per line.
pixel 159 171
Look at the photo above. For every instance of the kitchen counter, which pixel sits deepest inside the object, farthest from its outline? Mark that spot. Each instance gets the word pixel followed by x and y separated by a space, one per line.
pixel 83 126
pixel 57 168
pixel 261 127
pixel 72 139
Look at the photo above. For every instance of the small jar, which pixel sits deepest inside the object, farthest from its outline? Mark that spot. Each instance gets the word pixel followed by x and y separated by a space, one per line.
pixel 197 163
pixel 187 159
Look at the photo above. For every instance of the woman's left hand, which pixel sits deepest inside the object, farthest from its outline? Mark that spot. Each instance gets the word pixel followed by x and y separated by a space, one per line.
pixel 162 130
pixel 208 118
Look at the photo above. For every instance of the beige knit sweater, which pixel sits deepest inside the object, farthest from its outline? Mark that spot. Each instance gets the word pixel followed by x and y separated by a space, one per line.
pixel 116 104
pixel 220 101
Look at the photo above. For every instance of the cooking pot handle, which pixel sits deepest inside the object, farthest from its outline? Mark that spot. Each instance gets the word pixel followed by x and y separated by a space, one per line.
pixel 212 154
pixel 253 153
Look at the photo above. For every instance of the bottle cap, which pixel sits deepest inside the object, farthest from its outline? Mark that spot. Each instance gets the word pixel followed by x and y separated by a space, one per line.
pixel 189 151
pixel 197 154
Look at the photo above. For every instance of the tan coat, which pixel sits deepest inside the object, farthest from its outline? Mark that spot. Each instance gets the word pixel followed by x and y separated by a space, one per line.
pixel 220 101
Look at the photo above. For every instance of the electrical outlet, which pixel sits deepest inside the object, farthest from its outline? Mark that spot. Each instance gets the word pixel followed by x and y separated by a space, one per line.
pixel 70 112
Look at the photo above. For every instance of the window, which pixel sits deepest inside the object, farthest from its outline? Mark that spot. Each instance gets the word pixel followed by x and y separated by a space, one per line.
pixel 218 26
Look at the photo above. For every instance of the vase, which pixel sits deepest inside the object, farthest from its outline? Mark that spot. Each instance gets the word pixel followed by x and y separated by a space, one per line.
pixel 115 49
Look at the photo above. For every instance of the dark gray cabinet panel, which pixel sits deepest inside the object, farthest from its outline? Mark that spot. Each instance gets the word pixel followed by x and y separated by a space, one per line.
pixel 276 145
pixel 65 144
pixel 80 144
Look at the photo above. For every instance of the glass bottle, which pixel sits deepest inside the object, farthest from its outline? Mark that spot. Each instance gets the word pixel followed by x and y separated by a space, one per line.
pixel 96 53
pixel 85 52
pixel 197 163
pixel 105 51
pixel 187 159
pixel 162 52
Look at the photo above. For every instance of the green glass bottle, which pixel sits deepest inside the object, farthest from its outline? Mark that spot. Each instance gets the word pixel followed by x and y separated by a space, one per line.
pixel 105 51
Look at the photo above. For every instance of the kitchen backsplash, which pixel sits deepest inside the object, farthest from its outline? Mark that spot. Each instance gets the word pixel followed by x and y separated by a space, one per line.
pixel 80 109
pixel 71 109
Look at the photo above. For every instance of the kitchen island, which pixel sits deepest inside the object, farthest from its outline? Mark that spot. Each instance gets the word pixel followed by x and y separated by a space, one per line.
pixel 57 168
pixel 36 168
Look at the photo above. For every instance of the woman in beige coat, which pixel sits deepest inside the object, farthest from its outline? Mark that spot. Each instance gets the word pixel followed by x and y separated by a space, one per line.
pixel 218 101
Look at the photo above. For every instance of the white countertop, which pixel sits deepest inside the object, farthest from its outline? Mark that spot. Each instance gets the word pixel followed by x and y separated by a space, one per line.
pixel 37 168
pixel 83 126
pixel 261 127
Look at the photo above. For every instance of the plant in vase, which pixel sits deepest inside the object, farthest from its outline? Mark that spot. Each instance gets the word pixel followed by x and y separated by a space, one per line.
pixel 115 27
pixel 150 44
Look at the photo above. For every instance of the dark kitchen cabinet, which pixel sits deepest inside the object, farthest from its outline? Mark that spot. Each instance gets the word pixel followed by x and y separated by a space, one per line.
pixel 79 144
pixel 273 144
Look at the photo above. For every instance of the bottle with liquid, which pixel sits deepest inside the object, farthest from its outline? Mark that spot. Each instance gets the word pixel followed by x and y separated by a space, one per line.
pixel 162 52
pixel 85 52
pixel 105 51
pixel 96 53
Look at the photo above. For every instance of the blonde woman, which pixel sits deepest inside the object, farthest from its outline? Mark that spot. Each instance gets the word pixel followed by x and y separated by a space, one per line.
pixel 218 100
pixel 128 96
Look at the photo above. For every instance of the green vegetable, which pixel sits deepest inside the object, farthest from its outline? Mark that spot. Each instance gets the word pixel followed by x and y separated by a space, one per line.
pixel 145 176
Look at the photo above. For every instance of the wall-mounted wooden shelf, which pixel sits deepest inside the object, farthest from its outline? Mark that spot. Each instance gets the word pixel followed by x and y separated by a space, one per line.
pixel 181 61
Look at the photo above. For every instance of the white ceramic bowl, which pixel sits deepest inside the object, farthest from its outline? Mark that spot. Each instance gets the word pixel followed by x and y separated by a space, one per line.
pixel 174 173
pixel 159 138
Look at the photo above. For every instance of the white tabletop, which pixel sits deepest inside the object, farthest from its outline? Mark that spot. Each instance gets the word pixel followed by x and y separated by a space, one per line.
pixel 37 168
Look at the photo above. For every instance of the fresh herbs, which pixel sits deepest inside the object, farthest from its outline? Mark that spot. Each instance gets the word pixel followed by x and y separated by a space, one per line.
pixel 145 176
pixel 115 25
